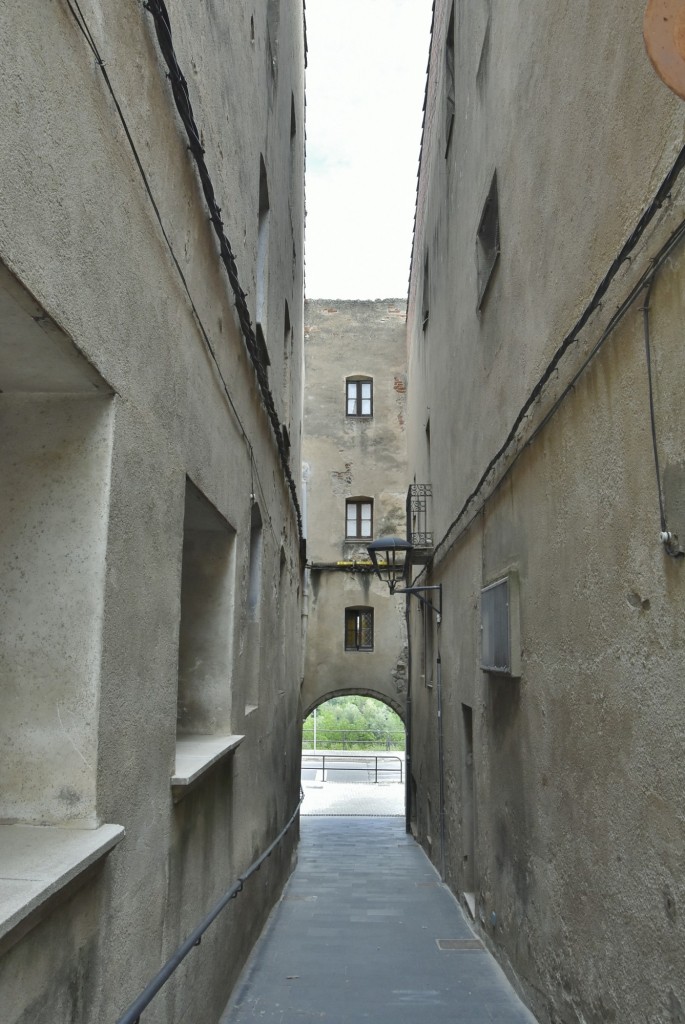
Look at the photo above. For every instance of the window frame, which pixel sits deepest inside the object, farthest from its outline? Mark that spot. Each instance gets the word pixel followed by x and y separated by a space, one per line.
pixel 356 628
pixel 359 520
pixel 488 242
pixel 356 383
pixel 449 81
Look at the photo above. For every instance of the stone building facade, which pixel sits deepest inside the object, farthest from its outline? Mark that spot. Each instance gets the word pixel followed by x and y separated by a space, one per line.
pixel 354 453
pixel 151 389
pixel 548 279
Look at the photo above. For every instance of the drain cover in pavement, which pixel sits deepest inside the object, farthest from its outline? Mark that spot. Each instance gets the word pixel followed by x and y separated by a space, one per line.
pixel 445 944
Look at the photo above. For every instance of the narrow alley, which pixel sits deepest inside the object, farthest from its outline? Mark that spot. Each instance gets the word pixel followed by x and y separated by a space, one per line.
pixel 365 930
pixel 429 456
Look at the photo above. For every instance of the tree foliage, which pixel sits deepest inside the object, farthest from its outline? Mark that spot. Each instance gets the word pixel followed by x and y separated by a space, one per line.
pixel 354 723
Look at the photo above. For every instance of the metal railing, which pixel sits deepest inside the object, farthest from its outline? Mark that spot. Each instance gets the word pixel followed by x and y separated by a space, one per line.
pixel 350 739
pixel 321 760
pixel 420 517
pixel 132 1014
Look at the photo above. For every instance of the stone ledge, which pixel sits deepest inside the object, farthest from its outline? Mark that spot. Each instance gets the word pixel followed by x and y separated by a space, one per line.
pixel 197 754
pixel 38 863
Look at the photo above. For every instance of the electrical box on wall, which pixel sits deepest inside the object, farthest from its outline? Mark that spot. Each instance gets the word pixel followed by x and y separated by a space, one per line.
pixel 500 627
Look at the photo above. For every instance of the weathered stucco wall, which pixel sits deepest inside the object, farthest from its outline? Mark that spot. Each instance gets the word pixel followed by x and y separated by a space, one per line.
pixel 348 456
pixel 563 812
pixel 95 519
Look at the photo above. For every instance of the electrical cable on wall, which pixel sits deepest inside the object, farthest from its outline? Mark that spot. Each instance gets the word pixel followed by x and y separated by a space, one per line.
pixel 179 87
pixel 644 281
pixel 670 541
pixel 80 20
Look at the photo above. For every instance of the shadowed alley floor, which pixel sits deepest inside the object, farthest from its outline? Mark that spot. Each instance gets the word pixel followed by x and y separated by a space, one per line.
pixel 356 938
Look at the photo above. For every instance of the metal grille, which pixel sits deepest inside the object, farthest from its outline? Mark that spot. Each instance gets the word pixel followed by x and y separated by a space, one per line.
pixel 419 515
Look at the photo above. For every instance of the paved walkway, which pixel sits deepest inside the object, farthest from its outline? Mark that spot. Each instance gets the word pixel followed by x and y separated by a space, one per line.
pixel 353 798
pixel 355 938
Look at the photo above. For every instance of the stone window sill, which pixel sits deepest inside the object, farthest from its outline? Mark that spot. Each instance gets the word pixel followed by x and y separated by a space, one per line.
pixel 39 864
pixel 195 755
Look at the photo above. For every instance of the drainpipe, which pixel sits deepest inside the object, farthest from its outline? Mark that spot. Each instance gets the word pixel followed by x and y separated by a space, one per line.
pixel 441 758
pixel 305 581
pixel 407 748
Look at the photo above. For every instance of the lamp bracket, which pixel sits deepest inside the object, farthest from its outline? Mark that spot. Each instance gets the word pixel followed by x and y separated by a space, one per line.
pixel 419 592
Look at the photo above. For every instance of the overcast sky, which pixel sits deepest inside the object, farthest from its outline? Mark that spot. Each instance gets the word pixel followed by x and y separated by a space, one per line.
pixel 365 85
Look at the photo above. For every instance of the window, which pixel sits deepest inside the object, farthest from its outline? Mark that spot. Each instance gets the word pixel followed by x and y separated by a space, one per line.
pixel 252 636
pixel 500 627
pixel 254 586
pixel 481 74
pixel 359 396
pixel 204 650
pixel 359 518
pixel 487 241
pixel 359 629
pixel 262 281
pixel 425 315
pixel 55 461
pixel 273 16
pixel 449 82
pixel 287 365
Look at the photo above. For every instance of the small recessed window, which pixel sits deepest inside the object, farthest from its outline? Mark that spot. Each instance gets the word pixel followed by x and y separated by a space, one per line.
pixel 487 241
pixel 359 518
pixel 501 627
pixel 262 270
pixel 359 395
pixel 204 650
pixel 359 629
pixel 449 82
pixel 425 314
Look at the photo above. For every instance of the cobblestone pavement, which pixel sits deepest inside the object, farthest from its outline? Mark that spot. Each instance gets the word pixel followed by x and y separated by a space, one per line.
pixel 366 932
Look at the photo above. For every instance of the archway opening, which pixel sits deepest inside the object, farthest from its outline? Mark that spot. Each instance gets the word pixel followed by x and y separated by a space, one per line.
pixel 353 722
pixel 353 758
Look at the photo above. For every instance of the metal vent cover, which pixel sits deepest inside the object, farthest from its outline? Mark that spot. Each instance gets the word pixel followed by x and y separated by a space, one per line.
pixel 500 631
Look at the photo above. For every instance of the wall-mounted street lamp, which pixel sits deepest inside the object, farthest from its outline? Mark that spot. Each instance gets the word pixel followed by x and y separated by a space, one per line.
pixel 391 559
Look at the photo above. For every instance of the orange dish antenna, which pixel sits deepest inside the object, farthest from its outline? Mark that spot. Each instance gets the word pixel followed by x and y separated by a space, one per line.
pixel 664 32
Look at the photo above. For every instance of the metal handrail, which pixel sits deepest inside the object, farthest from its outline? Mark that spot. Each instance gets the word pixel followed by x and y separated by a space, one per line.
pixel 360 757
pixel 132 1014
pixel 360 738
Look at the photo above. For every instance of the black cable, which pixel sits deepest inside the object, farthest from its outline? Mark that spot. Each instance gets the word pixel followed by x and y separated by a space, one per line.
pixel 625 252
pixel 81 22
pixel 83 27
pixel 652 417
pixel 179 88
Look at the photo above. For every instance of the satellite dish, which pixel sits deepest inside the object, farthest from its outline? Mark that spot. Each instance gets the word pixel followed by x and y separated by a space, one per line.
pixel 664 32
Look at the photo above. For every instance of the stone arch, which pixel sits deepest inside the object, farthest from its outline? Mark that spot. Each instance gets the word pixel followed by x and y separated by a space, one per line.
pixel 398 705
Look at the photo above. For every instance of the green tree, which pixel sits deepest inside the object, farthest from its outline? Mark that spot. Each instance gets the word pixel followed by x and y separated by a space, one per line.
pixel 354 723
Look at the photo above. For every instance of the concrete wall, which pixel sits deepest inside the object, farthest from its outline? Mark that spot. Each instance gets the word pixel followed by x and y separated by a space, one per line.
pixel 346 457
pixel 563 787
pixel 130 454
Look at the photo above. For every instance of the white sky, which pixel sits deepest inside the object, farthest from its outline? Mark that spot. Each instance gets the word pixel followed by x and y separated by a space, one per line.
pixel 365 86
